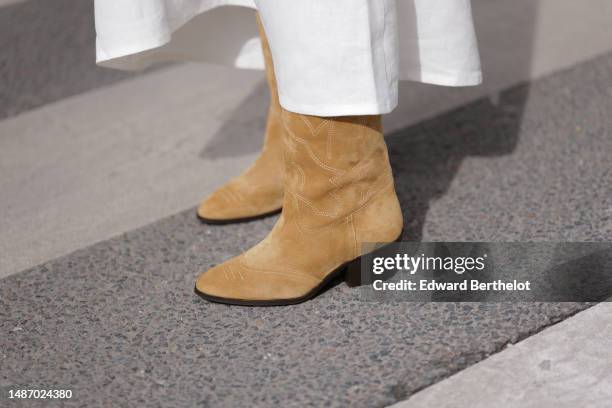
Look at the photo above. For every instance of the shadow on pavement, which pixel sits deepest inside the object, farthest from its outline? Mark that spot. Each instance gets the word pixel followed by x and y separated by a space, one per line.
pixel 426 157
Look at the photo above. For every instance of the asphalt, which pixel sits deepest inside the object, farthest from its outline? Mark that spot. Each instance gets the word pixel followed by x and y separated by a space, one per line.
pixel 119 324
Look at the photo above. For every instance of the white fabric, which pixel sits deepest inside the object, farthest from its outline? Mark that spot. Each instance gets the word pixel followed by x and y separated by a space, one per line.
pixel 333 58
pixel 340 57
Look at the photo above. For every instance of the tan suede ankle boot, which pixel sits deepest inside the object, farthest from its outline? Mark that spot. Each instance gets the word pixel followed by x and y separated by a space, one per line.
pixel 339 192
pixel 258 191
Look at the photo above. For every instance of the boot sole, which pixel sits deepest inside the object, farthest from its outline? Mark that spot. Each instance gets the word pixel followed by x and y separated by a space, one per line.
pixel 350 271
pixel 212 221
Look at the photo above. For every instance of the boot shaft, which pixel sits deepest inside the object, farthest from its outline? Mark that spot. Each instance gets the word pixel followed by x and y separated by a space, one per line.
pixel 272 146
pixel 333 166
pixel 269 65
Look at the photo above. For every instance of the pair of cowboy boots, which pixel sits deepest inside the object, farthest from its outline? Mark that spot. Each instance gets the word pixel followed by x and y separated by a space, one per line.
pixel 333 181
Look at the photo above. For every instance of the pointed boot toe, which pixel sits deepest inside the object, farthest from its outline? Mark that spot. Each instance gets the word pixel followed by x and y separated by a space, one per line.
pixel 234 282
pixel 217 207
pixel 258 191
pixel 234 203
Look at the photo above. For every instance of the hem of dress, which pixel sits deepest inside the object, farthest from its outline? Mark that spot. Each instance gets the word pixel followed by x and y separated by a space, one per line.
pixel 356 109
pixel 131 58
pixel 459 79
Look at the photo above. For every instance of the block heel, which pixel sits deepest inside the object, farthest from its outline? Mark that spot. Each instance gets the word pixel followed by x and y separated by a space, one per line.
pixel 353 275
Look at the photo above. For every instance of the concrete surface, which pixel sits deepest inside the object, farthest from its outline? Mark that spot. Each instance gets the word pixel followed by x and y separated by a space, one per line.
pixel 9 2
pixel 111 160
pixel 89 167
pixel 119 323
pixel 565 366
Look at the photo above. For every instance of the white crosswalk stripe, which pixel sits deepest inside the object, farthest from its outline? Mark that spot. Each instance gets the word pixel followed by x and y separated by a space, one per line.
pixel 9 2
pixel 89 167
pixel 564 366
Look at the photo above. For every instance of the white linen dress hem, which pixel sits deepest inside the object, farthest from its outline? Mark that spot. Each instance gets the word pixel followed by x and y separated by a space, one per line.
pixel 336 109
pixel 357 50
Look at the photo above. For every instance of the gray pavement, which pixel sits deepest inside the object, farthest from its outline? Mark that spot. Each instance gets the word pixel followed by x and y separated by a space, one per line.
pixel 85 156
pixel 47 53
pixel 565 366
pixel 534 165
pixel 119 324
pixel 82 170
